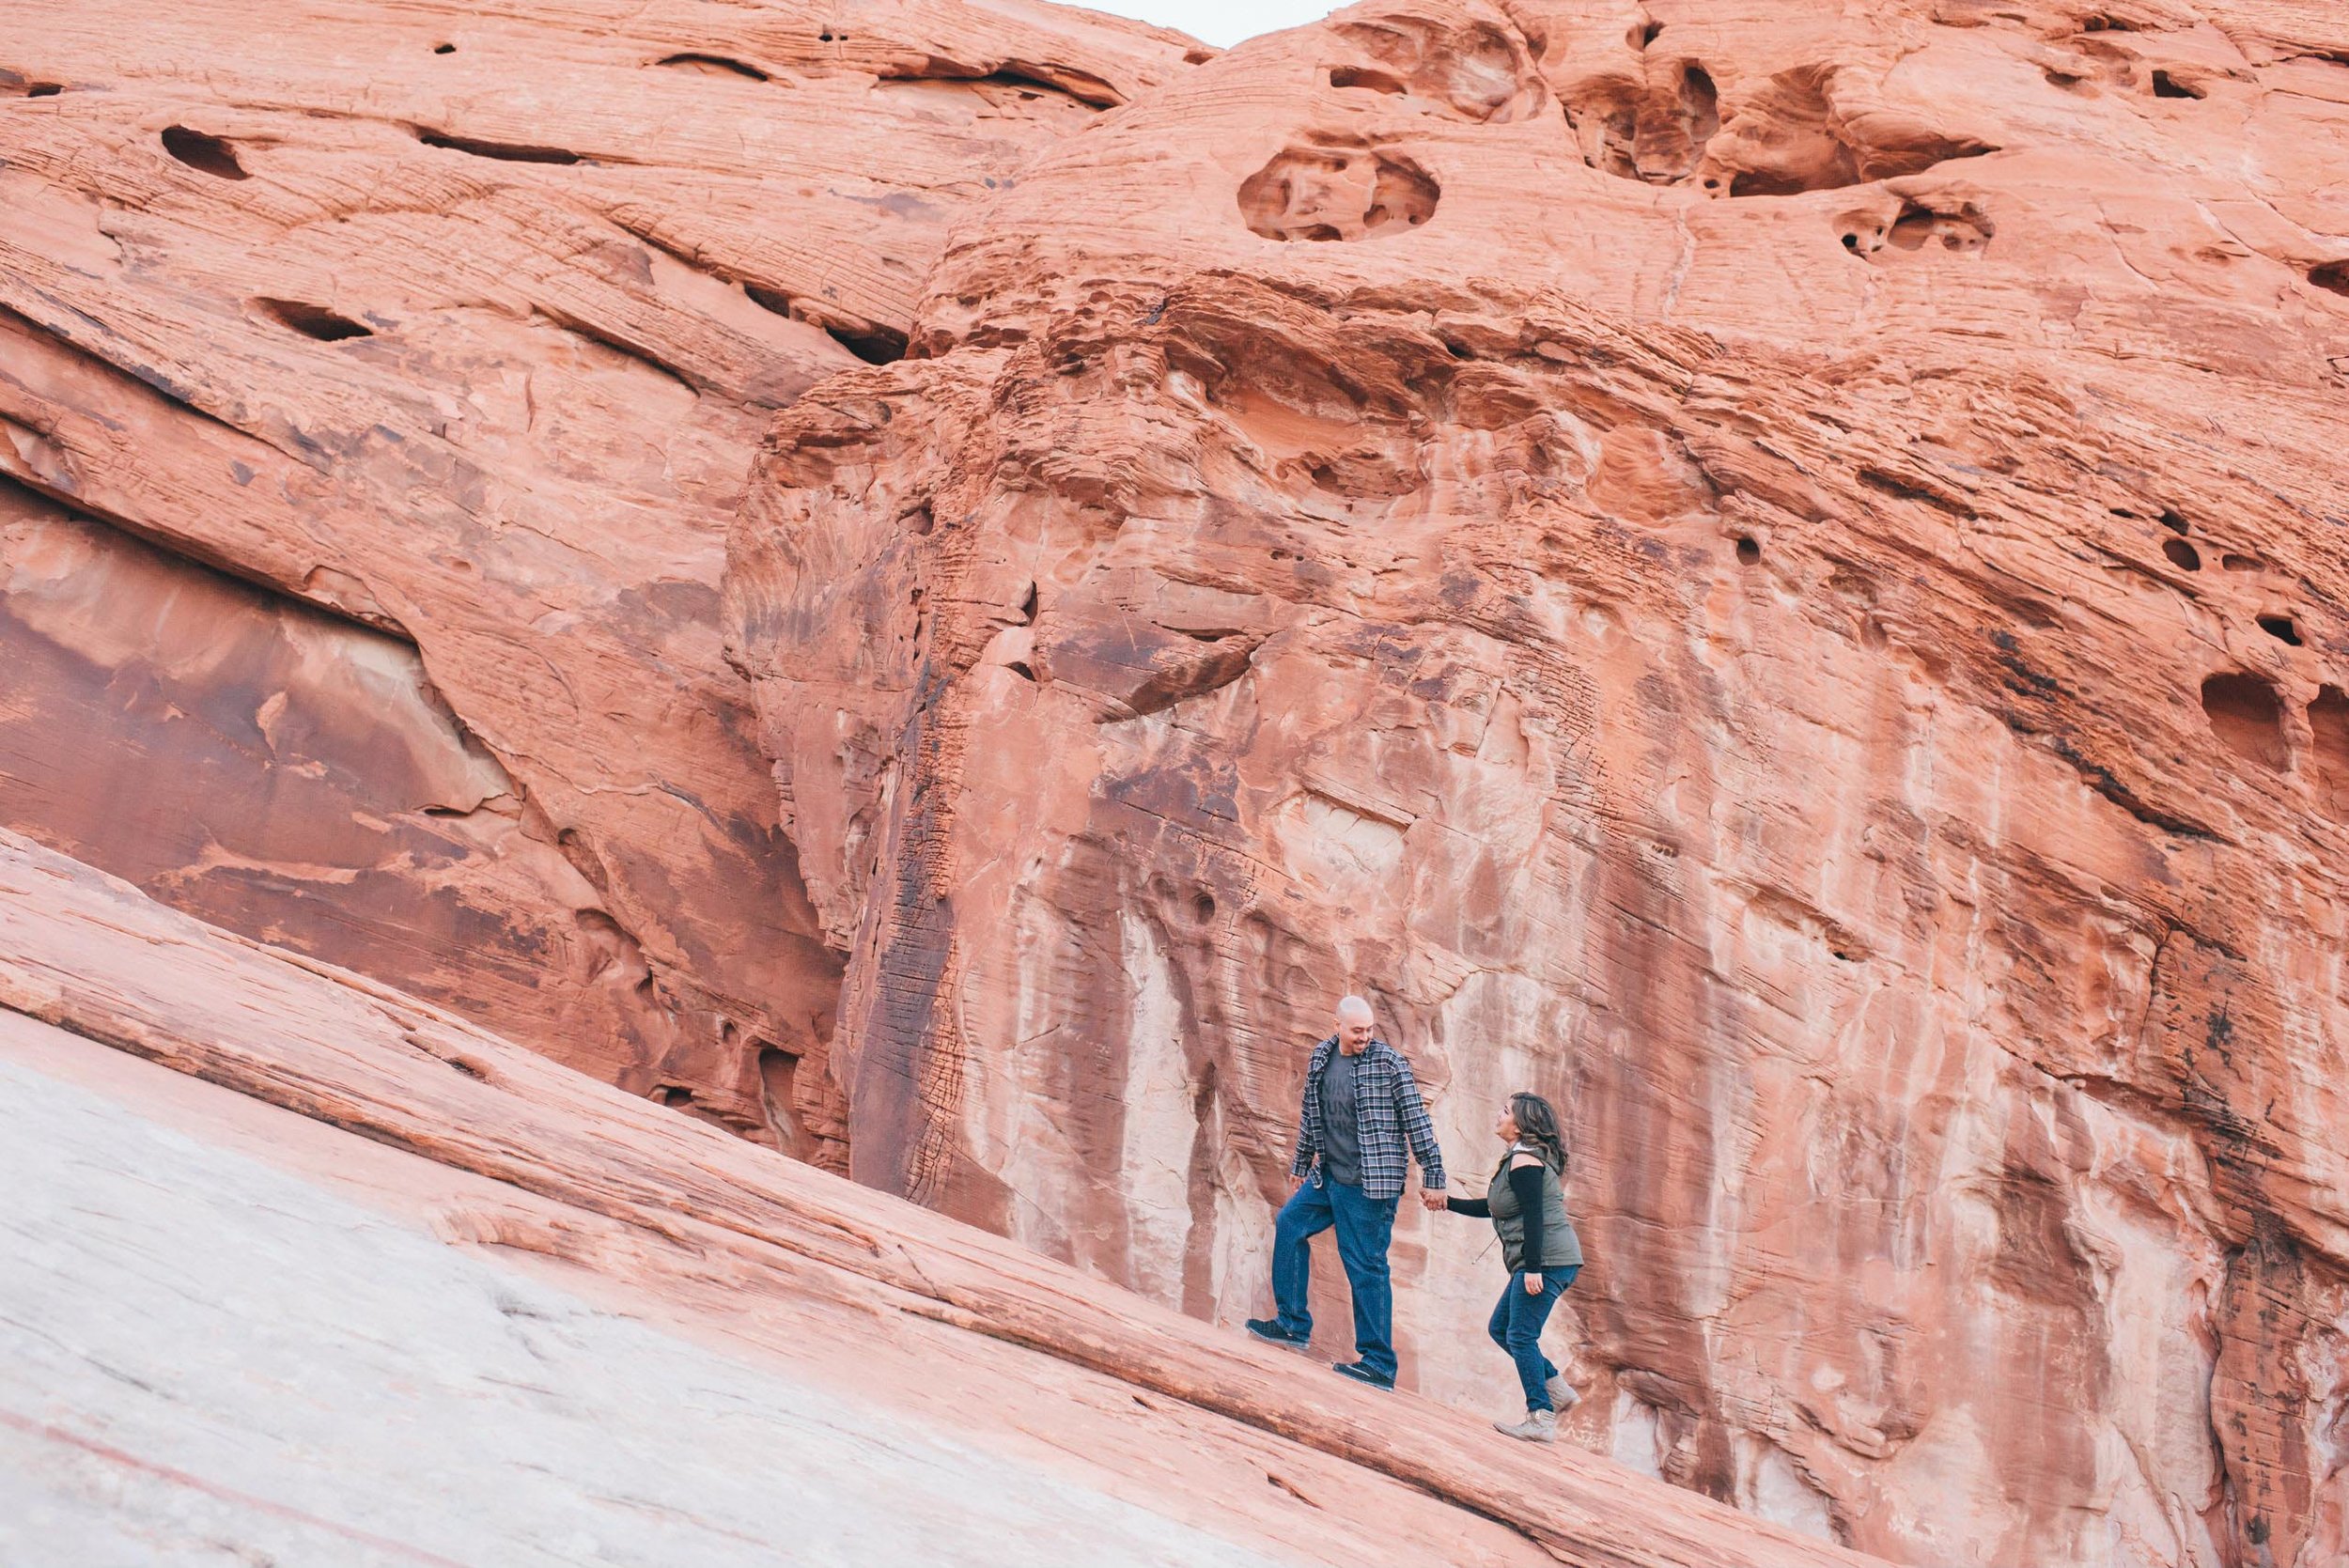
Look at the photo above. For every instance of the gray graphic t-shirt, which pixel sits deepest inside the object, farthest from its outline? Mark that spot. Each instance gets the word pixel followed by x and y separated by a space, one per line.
pixel 1341 1139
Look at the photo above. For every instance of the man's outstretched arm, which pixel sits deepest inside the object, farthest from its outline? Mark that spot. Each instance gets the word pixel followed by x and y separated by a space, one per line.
pixel 1417 1130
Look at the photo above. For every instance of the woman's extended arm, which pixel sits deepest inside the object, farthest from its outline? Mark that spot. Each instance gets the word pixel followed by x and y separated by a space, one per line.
pixel 1525 1181
pixel 1474 1207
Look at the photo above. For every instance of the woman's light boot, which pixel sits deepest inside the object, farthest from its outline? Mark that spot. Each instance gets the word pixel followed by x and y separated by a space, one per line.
pixel 1539 1426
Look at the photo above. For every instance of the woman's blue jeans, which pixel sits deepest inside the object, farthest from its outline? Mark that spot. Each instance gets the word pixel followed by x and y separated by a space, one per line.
pixel 1516 1327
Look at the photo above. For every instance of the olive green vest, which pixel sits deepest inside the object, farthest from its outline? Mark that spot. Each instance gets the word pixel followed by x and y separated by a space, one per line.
pixel 1561 1247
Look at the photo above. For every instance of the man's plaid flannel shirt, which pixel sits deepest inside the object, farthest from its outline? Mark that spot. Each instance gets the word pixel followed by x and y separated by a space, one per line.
pixel 1388 1117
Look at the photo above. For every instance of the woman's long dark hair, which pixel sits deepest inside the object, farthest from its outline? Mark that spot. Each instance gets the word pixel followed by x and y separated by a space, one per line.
pixel 1537 1124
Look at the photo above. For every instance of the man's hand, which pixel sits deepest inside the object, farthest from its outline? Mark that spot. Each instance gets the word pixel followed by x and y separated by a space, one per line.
pixel 1432 1198
pixel 1532 1284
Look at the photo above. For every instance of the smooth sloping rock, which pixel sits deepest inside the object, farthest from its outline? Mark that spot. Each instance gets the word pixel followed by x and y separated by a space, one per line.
pixel 1771 573
pixel 459 322
pixel 709 1232
pixel 229 1329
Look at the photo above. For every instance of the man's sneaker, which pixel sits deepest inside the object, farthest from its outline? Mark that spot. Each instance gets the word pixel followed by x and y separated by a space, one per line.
pixel 1563 1397
pixel 1270 1331
pixel 1539 1426
pixel 1361 1373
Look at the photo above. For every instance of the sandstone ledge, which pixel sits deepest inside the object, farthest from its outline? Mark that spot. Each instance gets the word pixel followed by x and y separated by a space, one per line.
pixel 667 1207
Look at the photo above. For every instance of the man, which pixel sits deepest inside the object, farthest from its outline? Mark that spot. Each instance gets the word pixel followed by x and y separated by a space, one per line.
pixel 1361 1111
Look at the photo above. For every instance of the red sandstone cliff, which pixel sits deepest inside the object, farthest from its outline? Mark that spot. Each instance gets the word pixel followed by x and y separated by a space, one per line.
pixel 431 1299
pixel 1775 574
pixel 448 330
pixel 1771 573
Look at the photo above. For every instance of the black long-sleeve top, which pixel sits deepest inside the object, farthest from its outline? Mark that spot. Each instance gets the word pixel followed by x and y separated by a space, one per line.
pixel 1526 1182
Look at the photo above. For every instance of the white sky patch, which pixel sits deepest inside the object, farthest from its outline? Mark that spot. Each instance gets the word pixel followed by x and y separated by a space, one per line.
pixel 1222 23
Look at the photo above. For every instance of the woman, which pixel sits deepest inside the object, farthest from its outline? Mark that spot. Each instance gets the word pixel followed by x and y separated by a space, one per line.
pixel 1525 1201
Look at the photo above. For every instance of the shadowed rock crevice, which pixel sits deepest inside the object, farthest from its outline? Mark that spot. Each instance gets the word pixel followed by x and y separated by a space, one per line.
pixel 505 152
pixel 206 154
pixel 715 65
pixel 313 321
pixel 1028 77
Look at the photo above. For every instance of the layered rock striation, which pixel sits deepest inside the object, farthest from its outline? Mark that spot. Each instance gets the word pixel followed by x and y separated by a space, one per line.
pixel 445 332
pixel 1773 575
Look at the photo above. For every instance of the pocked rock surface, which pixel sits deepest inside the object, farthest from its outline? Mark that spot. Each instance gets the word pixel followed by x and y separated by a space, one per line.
pixel 1770 572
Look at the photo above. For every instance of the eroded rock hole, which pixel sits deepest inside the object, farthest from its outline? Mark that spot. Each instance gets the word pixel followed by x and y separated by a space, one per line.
pixel 1319 194
pixel 2171 520
pixel 313 320
pixel 205 154
pixel 2328 734
pixel 1965 229
pixel 1355 76
pixel 505 152
pixel 2181 556
pixel 2280 628
pixel 1748 552
pixel 2167 86
pixel 2247 715
pixel 2333 275
pixel 673 1095
pixel 1473 69
pixel 1700 107
pixel 873 345
pixel 716 65
pixel 43 89
pixel 1021 668
pixel 444 49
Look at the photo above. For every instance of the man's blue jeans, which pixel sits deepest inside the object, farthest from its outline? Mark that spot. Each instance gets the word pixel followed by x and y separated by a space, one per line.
pixel 1516 1327
pixel 1364 1225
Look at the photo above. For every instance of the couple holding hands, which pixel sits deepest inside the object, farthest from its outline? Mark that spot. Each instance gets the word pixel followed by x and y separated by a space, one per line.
pixel 1362 1116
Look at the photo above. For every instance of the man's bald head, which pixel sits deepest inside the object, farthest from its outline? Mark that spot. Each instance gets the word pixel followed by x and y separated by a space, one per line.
pixel 1354 1025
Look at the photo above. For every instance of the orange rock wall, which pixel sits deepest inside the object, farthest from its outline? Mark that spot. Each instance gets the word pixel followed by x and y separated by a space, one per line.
pixel 1772 573
pixel 451 329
